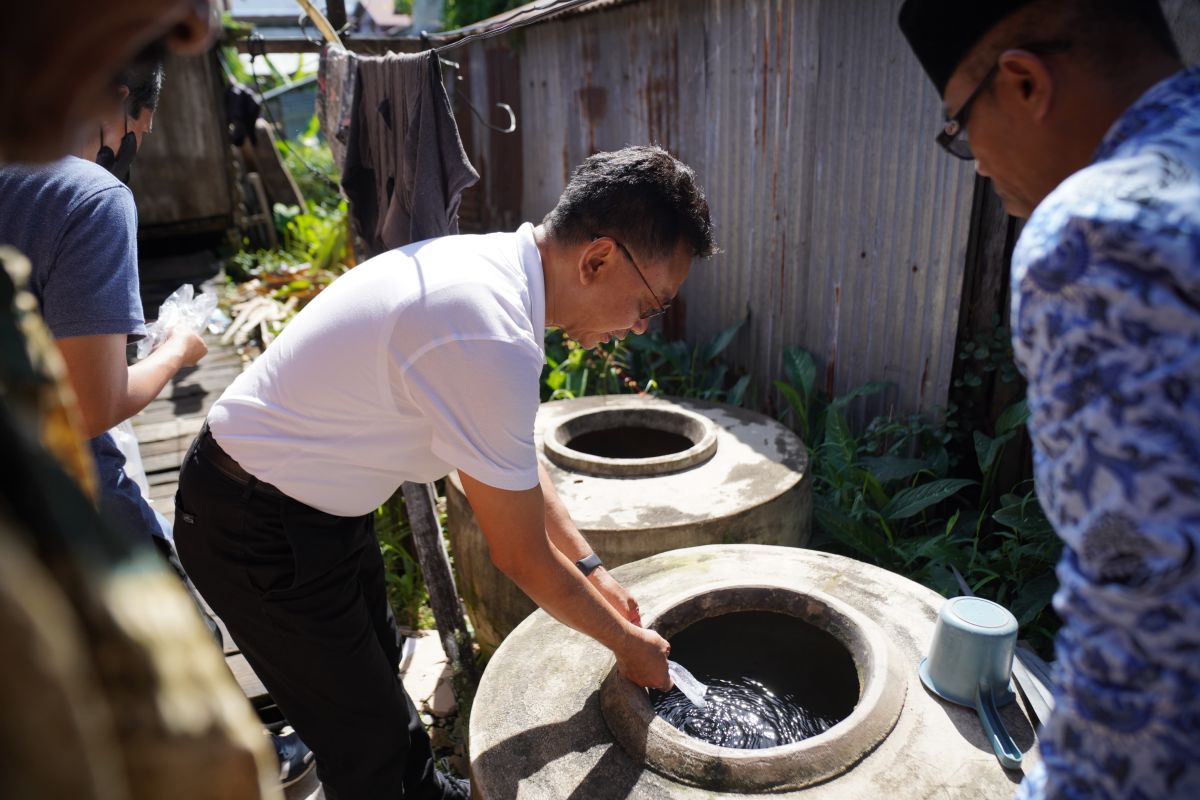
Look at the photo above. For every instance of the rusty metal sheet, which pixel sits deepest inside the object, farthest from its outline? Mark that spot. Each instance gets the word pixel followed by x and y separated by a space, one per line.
pixel 844 228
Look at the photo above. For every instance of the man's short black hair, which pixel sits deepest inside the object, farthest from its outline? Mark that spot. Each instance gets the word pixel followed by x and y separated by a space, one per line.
pixel 144 79
pixel 642 196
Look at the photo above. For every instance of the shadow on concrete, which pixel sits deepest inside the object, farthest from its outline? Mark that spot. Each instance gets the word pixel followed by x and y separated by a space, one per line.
pixel 506 764
pixel 967 722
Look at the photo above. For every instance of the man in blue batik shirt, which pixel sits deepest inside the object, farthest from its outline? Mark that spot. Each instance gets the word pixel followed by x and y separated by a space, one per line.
pixel 1081 113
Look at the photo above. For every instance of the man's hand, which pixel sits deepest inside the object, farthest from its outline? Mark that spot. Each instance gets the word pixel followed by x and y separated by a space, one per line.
pixel 107 390
pixel 643 659
pixel 189 346
pixel 616 595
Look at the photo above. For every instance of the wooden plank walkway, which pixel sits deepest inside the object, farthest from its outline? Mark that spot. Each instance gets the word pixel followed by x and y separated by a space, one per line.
pixel 165 428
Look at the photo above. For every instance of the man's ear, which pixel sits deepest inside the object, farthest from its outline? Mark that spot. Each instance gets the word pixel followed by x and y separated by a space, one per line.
pixel 593 258
pixel 1029 78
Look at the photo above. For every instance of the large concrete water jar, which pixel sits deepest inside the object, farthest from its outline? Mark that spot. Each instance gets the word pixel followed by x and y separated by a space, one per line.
pixel 642 475
pixel 553 719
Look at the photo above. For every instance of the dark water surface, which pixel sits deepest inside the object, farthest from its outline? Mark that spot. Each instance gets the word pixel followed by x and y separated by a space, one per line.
pixel 630 442
pixel 773 680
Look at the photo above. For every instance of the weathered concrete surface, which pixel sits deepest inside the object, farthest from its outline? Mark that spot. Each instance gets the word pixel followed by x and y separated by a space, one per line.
pixel 756 489
pixel 537 731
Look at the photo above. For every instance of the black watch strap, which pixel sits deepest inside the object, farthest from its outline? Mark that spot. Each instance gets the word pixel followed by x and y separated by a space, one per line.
pixel 587 565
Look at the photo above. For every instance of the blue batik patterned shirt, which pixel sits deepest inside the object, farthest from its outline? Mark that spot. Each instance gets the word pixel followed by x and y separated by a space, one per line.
pixel 1106 320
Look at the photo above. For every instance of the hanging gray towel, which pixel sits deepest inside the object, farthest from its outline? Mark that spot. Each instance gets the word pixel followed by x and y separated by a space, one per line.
pixel 405 165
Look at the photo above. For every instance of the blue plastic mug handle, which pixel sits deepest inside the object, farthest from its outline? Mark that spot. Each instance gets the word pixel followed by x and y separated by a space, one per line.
pixel 1006 749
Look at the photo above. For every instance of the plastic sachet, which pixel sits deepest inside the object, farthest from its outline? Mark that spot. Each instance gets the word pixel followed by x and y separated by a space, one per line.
pixel 692 689
pixel 183 309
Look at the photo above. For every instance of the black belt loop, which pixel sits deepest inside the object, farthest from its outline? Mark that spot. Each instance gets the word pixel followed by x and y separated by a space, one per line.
pixel 249 490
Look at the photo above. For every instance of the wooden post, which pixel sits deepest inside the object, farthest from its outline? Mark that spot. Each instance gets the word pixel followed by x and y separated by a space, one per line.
pixel 420 501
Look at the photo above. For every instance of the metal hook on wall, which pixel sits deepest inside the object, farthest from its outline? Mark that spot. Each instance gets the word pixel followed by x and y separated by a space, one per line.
pixel 505 107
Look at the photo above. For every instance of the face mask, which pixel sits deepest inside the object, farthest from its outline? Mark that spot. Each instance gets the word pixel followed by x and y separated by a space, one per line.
pixel 118 163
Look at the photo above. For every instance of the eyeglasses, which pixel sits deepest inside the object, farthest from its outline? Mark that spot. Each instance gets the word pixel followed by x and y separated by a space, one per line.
pixel 661 308
pixel 953 136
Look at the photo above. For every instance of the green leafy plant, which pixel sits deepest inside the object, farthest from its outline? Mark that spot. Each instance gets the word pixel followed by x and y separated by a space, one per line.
pixel 889 495
pixel 647 363
pixel 405 587
pixel 310 161
pixel 987 352
pixel 318 236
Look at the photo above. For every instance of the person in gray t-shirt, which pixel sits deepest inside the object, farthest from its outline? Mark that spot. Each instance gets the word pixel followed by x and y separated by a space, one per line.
pixel 77 224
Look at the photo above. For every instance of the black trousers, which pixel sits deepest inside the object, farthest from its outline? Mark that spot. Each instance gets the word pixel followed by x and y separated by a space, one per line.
pixel 302 593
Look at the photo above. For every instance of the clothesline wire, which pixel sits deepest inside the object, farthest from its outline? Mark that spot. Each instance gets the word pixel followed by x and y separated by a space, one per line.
pixel 507 24
pixel 266 107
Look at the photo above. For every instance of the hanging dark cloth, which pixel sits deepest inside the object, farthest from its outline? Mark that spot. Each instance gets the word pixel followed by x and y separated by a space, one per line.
pixel 241 110
pixel 405 165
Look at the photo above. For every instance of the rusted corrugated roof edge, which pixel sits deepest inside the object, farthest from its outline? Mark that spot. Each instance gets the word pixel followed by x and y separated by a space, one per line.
pixel 587 8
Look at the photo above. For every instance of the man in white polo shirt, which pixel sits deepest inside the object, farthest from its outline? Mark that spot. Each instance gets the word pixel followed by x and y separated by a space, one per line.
pixel 423 360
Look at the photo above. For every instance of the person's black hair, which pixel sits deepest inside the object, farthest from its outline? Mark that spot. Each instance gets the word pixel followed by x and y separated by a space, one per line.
pixel 642 196
pixel 144 79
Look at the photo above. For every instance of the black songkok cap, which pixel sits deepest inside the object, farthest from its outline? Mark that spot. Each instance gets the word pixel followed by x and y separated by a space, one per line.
pixel 942 32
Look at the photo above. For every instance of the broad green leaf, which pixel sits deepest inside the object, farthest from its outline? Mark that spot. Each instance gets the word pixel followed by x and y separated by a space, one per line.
pixel 1033 598
pixel 854 534
pixel 719 342
pixel 987 449
pixel 874 490
pixel 799 407
pixel 715 378
pixel 894 468
pixel 837 434
pixel 1025 517
pixel 1013 417
pixel 910 502
pixel 950 523
pixel 865 390
pixel 800 369
pixel 737 394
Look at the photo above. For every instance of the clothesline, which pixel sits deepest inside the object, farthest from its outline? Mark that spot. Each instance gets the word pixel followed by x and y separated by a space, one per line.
pixel 538 13
pixel 519 18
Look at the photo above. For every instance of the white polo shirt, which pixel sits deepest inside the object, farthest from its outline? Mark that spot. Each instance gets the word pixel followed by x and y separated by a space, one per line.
pixel 419 361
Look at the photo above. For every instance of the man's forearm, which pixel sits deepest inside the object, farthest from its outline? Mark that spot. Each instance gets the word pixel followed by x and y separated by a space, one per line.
pixel 147 379
pixel 552 581
pixel 559 525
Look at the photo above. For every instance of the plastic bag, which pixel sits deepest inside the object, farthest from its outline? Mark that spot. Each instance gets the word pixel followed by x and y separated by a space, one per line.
pixel 180 310
pixel 693 689
pixel 127 443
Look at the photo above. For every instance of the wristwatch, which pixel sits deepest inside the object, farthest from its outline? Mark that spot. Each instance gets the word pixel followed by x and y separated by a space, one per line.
pixel 587 565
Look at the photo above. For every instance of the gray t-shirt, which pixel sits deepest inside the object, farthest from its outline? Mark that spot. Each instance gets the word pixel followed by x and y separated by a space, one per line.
pixel 77 225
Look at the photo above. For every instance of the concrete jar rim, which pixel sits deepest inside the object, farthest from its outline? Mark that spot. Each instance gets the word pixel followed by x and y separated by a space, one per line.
pixel 696 428
pixel 882 689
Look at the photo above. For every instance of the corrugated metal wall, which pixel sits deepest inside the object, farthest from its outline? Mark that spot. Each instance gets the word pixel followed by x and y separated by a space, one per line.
pixel 844 227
